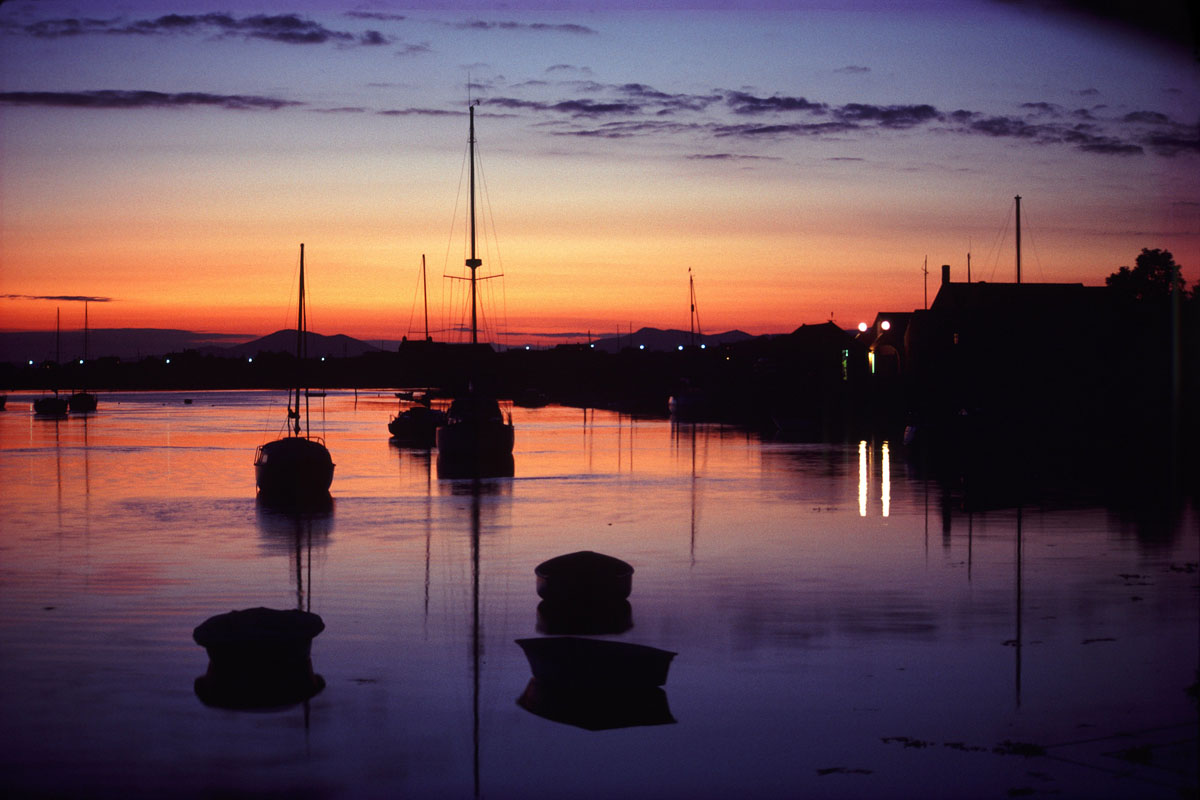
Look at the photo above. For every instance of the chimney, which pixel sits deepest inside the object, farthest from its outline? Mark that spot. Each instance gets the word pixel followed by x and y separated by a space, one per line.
pixel 945 274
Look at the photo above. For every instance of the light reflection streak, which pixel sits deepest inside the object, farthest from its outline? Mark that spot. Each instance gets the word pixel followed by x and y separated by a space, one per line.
pixel 862 478
pixel 885 493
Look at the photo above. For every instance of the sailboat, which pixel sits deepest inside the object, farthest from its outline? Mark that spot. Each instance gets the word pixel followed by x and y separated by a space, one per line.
pixel 52 405
pixel 416 426
pixel 83 401
pixel 477 439
pixel 689 401
pixel 298 466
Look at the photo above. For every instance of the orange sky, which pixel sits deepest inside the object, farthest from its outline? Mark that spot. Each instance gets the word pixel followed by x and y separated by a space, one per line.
pixel 802 184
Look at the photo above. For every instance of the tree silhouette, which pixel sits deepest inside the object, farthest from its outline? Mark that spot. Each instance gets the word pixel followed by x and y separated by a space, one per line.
pixel 1154 277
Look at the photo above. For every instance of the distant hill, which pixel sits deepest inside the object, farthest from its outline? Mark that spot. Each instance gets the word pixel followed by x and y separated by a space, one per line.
pixel 131 344
pixel 124 343
pixel 284 341
pixel 658 339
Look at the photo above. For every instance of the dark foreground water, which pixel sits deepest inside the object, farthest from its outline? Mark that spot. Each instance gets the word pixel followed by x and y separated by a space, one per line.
pixel 841 630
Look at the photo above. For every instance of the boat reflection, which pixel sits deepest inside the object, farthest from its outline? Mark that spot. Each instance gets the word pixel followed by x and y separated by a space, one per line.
pixel 597 711
pixel 260 658
pixel 596 684
pixel 559 619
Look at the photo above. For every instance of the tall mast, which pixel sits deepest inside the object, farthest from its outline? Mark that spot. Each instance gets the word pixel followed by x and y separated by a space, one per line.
pixel 473 262
pixel 1018 238
pixel 85 332
pixel 691 310
pixel 300 344
pixel 425 291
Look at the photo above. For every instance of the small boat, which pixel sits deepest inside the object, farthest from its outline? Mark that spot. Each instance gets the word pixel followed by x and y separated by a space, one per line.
pixel 584 578
pixel 416 426
pixel 259 658
pixel 52 405
pixel 477 439
pixel 576 663
pixel 83 402
pixel 3 401
pixel 297 467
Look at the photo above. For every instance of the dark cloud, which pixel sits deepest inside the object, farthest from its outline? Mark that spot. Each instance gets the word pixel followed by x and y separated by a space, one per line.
pixel 414 49
pixel 575 108
pixel 743 103
pixel 629 129
pixel 419 112
pixel 1170 144
pixel 58 298
pixel 785 129
pixel 887 116
pixel 638 109
pixel 1008 127
pixel 852 70
pixel 727 157
pixel 282 28
pixel 112 98
pixel 1151 117
pixel 1042 108
pixel 378 16
pixel 540 27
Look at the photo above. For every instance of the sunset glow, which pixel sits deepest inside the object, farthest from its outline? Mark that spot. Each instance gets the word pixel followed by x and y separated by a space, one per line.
pixel 804 163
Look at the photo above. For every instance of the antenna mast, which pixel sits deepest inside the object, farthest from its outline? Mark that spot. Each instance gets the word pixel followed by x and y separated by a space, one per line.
pixel 1018 198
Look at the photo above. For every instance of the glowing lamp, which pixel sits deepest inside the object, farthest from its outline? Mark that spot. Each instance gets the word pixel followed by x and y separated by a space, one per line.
pixel 887 326
pixel 862 327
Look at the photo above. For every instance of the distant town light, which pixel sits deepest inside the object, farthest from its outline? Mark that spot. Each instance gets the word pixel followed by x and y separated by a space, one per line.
pixel 526 347
pixel 31 362
pixel 887 326
pixel 640 347
pixel 322 358
pixel 681 347
pixel 592 345
pixel 81 361
pixel 703 347
pixel 168 361
pixel 862 327
pixel 250 360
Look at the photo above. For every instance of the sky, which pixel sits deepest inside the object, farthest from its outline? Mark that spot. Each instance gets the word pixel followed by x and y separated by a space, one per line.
pixel 800 161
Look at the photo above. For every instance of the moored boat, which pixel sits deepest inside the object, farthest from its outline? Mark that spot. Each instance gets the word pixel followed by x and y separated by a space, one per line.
pixel 584 577
pixel 573 662
pixel 296 468
pixel 477 439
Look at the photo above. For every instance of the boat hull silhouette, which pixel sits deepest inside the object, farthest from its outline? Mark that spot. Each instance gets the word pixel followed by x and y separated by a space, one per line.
pixel 577 664
pixel 295 467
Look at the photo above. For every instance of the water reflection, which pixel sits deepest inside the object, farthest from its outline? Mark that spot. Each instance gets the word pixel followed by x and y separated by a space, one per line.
pixel 811 630
pixel 865 459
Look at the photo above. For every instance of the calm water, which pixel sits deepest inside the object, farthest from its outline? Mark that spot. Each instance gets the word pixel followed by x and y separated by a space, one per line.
pixel 841 631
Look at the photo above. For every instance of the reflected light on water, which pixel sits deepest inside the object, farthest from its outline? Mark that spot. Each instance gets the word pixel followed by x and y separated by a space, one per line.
pixel 862 478
pixel 885 476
